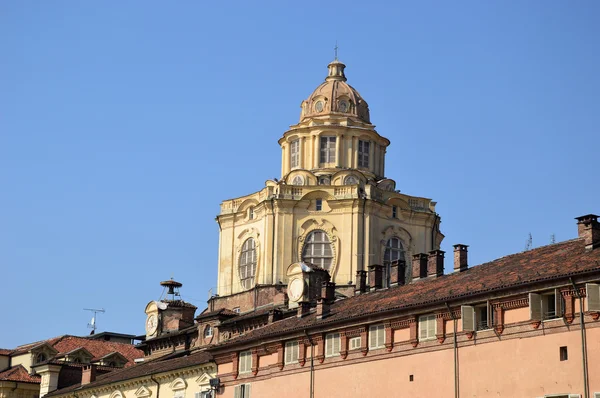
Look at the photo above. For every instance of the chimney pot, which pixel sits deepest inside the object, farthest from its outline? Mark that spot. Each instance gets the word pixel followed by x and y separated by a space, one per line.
pixel 419 266
pixel 435 263
pixel 460 257
pixel 588 229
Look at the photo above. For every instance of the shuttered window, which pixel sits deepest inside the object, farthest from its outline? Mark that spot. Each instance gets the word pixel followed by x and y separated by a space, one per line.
pixel 427 327
pixel 295 154
pixel 245 362
pixel 376 336
pixel 332 344
pixel 327 149
pixel 593 299
pixel 291 352
pixel 363 153
pixel 241 391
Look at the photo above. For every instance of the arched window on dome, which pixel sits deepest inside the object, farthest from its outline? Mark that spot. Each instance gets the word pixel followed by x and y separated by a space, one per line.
pixel 394 251
pixel 317 249
pixel 298 180
pixel 351 180
pixel 247 264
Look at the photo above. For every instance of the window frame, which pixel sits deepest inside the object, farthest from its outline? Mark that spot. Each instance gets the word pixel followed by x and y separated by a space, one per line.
pixel 245 358
pixel 324 257
pixel 387 263
pixel 355 338
pixel 425 319
pixel 379 332
pixel 295 154
pixel 208 331
pixel 327 144
pixel 318 204
pixel 394 211
pixel 247 262
pixel 331 338
pixel 294 348
pixel 363 153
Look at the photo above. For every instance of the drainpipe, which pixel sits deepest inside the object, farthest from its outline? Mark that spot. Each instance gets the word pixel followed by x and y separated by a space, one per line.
pixel 456 380
pixel 157 386
pixel 312 366
pixel 583 342
pixel 433 229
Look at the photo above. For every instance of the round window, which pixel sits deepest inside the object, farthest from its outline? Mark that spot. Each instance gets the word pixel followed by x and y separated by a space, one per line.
pixel 319 106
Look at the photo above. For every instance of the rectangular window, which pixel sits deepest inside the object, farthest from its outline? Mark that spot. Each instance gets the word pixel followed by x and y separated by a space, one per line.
pixel 295 154
pixel 363 154
pixel 427 327
pixel 544 306
pixel 327 149
pixel 394 212
pixel 291 352
pixel 563 353
pixel 203 394
pixel 319 204
pixel 376 336
pixel 179 394
pixel 241 391
pixel 355 343
pixel 245 362
pixel 332 344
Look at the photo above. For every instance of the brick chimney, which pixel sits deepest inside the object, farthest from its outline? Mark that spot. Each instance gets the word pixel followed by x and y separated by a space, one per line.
pixel 419 266
pixel 303 308
pixel 588 229
pixel 361 282
pixel 88 374
pixel 375 276
pixel 435 263
pixel 398 273
pixel 328 292
pixel 460 258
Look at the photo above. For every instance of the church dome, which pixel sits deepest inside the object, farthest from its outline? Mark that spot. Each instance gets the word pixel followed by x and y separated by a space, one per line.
pixel 335 97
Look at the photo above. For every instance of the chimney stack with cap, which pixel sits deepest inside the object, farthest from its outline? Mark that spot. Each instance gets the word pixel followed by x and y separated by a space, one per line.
pixel 419 266
pixel 361 282
pixel 435 263
pixel 88 374
pixel 375 277
pixel 326 299
pixel 303 308
pixel 460 258
pixel 589 230
pixel 397 273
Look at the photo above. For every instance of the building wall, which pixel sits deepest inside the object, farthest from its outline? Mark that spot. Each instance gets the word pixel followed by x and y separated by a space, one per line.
pixel 24 359
pixel 22 390
pixel 4 361
pixel 516 367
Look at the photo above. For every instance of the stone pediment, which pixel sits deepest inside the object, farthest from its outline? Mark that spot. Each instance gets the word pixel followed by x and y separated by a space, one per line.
pixel 142 392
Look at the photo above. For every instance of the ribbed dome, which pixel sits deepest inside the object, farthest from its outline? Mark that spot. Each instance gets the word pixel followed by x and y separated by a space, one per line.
pixel 335 97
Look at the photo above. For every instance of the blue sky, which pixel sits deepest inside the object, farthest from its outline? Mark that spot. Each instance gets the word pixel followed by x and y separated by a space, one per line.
pixel 123 125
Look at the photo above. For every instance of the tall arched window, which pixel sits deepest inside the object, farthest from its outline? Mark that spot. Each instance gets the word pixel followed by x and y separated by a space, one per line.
pixel 317 250
pixel 393 252
pixel 248 263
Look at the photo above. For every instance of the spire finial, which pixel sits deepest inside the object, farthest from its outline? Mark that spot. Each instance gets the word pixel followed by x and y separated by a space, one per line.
pixel 335 50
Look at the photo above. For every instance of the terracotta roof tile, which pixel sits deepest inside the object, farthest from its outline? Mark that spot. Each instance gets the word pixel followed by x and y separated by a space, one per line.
pixel 4 351
pixel 98 348
pixel 555 261
pixel 152 367
pixel 18 373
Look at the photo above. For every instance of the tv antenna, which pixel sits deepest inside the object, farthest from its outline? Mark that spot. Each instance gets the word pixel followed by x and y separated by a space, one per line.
pixel 92 324
pixel 529 244
pixel 552 239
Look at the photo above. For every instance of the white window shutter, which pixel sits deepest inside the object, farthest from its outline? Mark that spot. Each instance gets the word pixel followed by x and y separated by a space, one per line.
pixel 372 337
pixel 467 316
pixel 558 303
pixel 237 392
pixel 432 326
pixel 574 396
pixel 535 307
pixel 592 291
pixel 381 336
pixel 247 391
pixel 422 328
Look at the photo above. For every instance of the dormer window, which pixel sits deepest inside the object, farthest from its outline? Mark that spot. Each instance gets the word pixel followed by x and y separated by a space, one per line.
pixel 327 149
pixel 295 154
pixel 41 357
pixel 208 331
pixel 298 180
pixel 351 180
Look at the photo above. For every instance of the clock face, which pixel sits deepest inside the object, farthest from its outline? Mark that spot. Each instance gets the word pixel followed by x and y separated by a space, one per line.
pixel 296 289
pixel 343 106
pixel 151 323
pixel 319 106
